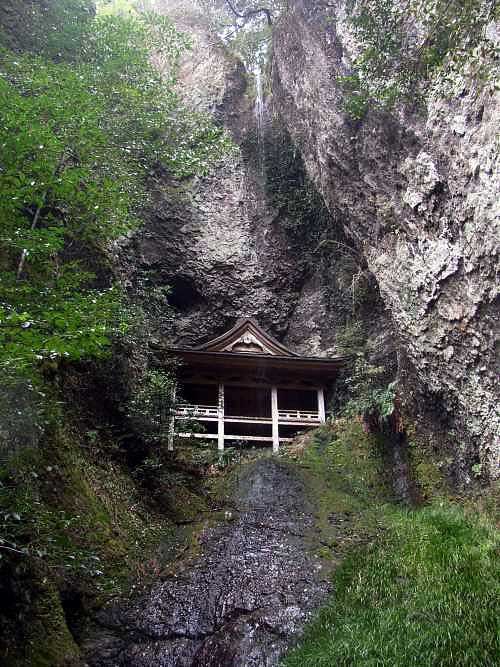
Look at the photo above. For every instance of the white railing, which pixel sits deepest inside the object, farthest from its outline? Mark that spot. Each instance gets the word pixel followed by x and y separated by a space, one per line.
pixel 185 410
pixel 298 415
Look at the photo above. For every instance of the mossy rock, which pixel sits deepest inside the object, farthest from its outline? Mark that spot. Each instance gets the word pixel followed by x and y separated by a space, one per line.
pixel 43 639
pixel 182 505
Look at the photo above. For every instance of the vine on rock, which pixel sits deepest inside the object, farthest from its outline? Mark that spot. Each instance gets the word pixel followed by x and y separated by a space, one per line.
pixel 404 45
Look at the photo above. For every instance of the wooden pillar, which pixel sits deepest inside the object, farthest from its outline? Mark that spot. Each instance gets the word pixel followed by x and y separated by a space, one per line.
pixel 220 414
pixel 171 426
pixel 275 418
pixel 321 405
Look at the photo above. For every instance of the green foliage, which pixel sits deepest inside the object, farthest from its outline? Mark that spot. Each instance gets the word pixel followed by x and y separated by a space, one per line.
pixel 349 469
pixel 44 322
pixel 61 509
pixel 52 27
pixel 477 469
pixel 426 594
pixel 22 416
pixel 33 529
pixel 404 45
pixel 46 503
pixel 78 140
pixel 351 338
pixel 411 587
pixel 228 457
pixel 369 396
pixel 119 7
pixel 303 213
pixel 356 100
pixel 151 407
pixel 251 43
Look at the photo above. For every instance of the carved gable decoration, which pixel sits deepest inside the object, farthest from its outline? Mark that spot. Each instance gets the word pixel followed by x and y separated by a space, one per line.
pixel 248 343
pixel 246 337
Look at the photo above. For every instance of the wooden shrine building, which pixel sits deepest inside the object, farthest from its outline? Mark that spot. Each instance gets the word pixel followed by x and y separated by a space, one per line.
pixel 247 386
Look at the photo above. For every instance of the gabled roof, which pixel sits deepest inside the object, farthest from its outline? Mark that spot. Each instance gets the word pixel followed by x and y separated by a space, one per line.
pixel 247 337
pixel 247 351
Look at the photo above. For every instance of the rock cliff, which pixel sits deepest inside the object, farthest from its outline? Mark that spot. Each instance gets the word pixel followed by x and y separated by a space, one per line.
pixel 418 195
pixel 222 242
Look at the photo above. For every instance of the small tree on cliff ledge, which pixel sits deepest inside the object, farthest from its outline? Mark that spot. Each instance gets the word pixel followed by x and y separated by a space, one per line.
pixel 246 25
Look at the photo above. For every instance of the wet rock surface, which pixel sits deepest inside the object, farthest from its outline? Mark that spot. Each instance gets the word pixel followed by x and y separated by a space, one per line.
pixel 242 601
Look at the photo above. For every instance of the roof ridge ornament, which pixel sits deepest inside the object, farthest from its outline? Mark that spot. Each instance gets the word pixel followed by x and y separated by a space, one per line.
pixel 248 343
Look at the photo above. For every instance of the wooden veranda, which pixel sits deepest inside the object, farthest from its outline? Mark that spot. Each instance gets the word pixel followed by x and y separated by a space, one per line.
pixel 247 386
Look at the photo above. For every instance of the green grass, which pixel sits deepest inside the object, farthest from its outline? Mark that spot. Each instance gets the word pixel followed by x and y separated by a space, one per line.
pixel 422 590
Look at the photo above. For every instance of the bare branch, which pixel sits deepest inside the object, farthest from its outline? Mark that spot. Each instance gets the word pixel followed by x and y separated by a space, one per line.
pixel 251 12
pixel 36 218
pixel 24 253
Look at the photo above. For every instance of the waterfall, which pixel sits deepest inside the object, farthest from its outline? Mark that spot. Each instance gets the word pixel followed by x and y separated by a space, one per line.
pixel 259 116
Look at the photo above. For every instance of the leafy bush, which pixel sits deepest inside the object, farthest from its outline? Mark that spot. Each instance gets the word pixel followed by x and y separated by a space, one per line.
pixel 151 407
pixel 404 44
pixel 364 390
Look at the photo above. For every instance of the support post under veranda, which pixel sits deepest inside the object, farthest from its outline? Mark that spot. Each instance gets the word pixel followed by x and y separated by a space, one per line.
pixel 321 405
pixel 275 419
pixel 220 420
pixel 171 425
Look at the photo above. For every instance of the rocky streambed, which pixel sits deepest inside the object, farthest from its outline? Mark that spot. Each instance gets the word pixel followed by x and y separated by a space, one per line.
pixel 242 601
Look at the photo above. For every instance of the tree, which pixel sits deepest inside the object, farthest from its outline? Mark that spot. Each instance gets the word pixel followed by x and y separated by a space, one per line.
pixel 249 12
pixel 78 139
pixel 245 25
pixel 150 409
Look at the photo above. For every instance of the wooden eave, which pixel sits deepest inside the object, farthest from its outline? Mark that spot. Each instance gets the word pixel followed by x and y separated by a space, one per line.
pixel 302 367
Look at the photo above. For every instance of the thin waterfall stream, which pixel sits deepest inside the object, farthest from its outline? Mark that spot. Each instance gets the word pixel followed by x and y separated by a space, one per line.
pixel 260 117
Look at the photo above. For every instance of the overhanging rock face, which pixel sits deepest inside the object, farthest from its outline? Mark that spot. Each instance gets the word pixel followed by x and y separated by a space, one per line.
pixel 420 197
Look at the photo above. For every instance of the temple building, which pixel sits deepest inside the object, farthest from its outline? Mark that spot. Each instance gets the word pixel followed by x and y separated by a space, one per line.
pixel 246 386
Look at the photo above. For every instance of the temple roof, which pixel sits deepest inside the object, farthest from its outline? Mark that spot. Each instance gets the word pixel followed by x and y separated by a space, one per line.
pixel 247 349
pixel 246 337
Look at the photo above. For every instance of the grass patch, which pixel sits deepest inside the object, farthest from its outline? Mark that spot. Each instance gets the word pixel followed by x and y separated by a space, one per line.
pixel 414 587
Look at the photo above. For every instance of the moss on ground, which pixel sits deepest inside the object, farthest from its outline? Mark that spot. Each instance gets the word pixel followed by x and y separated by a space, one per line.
pixel 429 467
pixel 344 474
pixel 81 529
pixel 411 586
pixel 49 641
